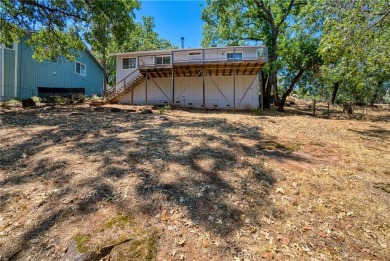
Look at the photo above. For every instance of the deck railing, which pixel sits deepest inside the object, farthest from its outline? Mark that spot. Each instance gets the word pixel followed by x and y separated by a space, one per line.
pixel 204 56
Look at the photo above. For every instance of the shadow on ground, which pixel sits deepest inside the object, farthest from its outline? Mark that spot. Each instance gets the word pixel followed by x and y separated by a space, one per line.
pixel 212 170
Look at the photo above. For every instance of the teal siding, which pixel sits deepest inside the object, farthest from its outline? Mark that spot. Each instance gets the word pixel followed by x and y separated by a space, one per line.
pixel 60 74
pixel 9 73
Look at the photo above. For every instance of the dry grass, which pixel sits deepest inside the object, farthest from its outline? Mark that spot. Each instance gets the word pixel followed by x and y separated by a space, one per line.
pixel 214 185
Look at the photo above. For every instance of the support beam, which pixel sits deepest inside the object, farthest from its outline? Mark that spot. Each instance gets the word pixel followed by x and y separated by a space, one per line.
pixel 146 89
pixel 173 85
pixel 234 91
pixel 204 92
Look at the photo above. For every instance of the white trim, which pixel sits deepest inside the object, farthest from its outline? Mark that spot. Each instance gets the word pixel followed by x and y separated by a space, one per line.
pixel 2 71
pixel 16 69
pixel 75 69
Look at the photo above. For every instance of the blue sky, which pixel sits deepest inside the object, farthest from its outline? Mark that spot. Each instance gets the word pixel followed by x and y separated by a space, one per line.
pixel 175 19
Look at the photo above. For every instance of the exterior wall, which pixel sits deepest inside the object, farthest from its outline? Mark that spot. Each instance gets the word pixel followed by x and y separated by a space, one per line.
pixel 219 92
pixel 122 73
pixel 60 74
pixel 7 73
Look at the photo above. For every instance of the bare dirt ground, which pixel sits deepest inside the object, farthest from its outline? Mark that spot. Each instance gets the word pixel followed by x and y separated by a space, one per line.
pixel 80 184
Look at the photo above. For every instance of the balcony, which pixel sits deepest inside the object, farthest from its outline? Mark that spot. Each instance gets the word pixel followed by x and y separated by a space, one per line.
pixel 219 57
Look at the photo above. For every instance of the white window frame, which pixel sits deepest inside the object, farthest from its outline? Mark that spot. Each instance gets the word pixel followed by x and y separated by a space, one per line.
pixel 234 53
pixel 6 47
pixel 130 68
pixel 162 60
pixel 81 64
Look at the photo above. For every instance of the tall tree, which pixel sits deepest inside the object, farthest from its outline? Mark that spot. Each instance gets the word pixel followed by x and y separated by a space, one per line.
pixel 141 38
pixel 354 45
pixel 60 28
pixel 260 21
pixel 299 54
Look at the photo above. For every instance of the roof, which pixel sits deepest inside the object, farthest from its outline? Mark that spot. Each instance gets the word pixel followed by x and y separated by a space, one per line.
pixel 156 52
pixel 94 58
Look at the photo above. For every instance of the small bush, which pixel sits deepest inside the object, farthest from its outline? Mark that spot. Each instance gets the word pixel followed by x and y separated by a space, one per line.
pixel 56 99
pixel 258 111
pixel 165 109
pixel 37 99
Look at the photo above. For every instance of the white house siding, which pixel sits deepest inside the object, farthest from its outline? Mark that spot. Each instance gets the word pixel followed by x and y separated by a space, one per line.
pixel 121 73
pixel 159 91
pixel 189 92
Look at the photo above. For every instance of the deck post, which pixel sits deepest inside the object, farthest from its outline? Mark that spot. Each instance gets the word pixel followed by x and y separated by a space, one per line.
pixel 173 86
pixel 146 89
pixel 204 91
pixel 262 90
pixel 234 89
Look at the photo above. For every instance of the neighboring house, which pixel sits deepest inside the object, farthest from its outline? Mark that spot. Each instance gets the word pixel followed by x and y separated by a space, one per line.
pixel 22 77
pixel 219 77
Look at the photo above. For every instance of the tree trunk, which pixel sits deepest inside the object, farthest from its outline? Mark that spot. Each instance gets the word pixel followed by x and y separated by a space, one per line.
pixel 375 96
pixel 334 93
pixel 272 78
pixel 267 92
pixel 276 94
pixel 290 89
pixel 262 86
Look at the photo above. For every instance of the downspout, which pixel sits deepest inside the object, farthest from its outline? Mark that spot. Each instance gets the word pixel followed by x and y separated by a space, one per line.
pixel 16 70
pixel 2 71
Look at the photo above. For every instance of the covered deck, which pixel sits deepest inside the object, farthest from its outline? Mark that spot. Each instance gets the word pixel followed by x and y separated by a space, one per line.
pixel 246 60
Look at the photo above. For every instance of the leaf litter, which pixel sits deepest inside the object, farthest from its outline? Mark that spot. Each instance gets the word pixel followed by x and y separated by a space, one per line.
pixel 211 185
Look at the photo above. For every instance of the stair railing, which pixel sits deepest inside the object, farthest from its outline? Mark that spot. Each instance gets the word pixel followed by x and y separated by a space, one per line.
pixel 121 85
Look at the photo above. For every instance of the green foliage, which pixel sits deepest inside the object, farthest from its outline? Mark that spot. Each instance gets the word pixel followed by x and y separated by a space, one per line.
pixel 141 38
pixel 37 99
pixel 354 45
pixel 343 42
pixel 165 109
pixel 59 28
pixel 236 22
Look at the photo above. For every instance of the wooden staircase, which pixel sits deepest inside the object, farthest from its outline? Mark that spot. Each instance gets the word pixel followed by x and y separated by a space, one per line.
pixel 124 86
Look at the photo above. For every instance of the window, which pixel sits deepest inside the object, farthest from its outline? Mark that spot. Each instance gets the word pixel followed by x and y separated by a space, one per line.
pixel 128 63
pixel 232 56
pixel 161 60
pixel 81 69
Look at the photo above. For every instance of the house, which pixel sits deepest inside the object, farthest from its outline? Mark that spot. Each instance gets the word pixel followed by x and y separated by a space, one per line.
pixel 22 77
pixel 219 77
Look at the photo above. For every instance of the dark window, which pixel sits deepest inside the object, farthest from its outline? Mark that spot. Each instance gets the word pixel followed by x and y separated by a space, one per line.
pixel 232 56
pixel 128 63
pixel 81 69
pixel 161 60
